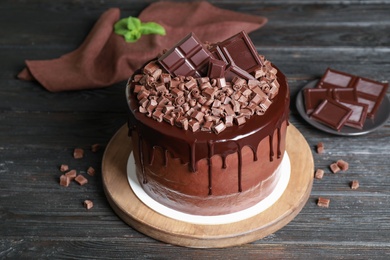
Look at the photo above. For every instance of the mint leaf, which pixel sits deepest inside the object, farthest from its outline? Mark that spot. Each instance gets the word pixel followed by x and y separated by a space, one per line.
pixel 132 28
pixel 152 28
pixel 120 27
pixel 133 23
pixel 132 36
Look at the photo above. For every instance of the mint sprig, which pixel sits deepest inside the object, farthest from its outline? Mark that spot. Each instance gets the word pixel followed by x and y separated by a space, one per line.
pixel 132 28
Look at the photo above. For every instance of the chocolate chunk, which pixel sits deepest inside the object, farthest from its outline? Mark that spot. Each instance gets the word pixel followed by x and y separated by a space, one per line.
pixel 216 68
pixel 332 114
pixel 334 168
pixel 320 147
pixel 78 153
pixel 354 184
pixel 187 58
pixel 80 179
pixel 319 174
pixel 91 171
pixel 88 204
pixel 323 202
pixel 71 174
pixel 95 148
pixel 64 167
pixel 343 165
pixel 64 180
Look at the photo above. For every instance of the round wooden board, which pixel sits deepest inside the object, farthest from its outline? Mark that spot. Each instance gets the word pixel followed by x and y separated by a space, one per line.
pixel 136 214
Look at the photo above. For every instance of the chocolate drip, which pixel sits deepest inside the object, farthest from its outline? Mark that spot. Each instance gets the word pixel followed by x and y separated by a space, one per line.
pixel 210 164
pixel 239 154
pixel 279 140
pixel 271 147
pixel 141 158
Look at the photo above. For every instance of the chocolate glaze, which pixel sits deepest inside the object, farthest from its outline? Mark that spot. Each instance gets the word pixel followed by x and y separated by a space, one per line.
pixel 191 147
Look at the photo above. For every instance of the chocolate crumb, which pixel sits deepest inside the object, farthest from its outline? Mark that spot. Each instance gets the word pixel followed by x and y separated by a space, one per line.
pixel 320 148
pixel 71 174
pixel 78 153
pixel 319 174
pixel 64 167
pixel 80 179
pixel 323 202
pixel 334 168
pixel 95 148
pixel 354 184
pixel 343 165
pixel 91 171
pixel 64 180
pixel 88 204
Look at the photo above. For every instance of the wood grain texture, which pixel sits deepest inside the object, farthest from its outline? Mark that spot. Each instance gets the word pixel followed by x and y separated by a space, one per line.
pixel 38 130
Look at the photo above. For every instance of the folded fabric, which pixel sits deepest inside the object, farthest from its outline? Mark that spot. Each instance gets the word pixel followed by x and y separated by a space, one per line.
pixel 104 58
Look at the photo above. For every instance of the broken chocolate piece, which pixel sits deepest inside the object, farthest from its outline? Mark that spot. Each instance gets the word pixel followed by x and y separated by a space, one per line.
pixel 64 167
pixel 88 204
pixel 91 171
pixel 71 174
pixel 343 165
pixel 80 179
pixel 332 114
pixel 64 180
pixel 319 174
pixel 354 184
pixel 320 147
pixel 323 202
pixel 216 68
pixel 78 153
pixel 334 168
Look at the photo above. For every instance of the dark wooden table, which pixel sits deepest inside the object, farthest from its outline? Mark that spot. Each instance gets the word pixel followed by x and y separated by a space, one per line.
pixel 38 131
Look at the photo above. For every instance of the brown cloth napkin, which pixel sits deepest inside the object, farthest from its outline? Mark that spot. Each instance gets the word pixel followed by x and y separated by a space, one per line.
pixel 104 58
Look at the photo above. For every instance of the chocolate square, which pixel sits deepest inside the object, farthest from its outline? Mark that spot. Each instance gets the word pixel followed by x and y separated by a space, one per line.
pixel 332 114
pixel 187 58
pixel 313 97
pixel 359 114
pixel 239 54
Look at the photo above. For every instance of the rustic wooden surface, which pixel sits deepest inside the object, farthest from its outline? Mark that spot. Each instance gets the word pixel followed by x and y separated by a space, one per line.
pixel 39 130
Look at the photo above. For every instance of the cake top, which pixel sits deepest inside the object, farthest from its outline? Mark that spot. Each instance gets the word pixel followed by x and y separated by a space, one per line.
pixel 200 87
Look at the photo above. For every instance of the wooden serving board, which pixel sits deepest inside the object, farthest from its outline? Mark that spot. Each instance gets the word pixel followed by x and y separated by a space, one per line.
pixel 136 214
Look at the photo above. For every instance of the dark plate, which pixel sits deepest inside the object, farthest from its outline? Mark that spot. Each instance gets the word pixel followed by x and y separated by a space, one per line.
pixel 370 124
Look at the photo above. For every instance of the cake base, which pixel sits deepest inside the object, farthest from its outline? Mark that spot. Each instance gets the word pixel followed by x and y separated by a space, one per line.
pixel 139 216
pixel 283 171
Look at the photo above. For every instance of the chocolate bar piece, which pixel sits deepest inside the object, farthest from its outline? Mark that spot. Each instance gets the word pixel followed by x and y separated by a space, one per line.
pixel 359 113
pixel 371 93
pixel 332 114
pixel 313 97
pixel 187 58
pixel 216 69
pixel 240 56
pixel 345 94
pixel 336 79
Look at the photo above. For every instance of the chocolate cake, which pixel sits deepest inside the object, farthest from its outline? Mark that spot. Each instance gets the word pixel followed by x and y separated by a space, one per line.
pixel 208 126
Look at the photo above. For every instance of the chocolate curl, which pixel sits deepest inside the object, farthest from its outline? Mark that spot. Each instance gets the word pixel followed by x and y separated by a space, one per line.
pixel 104 58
